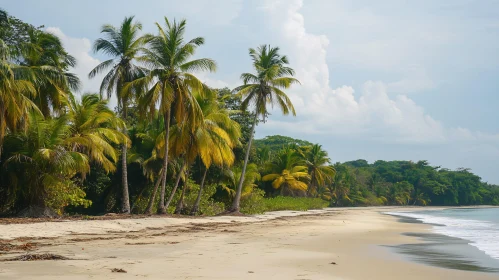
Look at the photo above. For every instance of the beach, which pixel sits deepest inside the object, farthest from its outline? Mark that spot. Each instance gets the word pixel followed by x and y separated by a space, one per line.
pixel 350 243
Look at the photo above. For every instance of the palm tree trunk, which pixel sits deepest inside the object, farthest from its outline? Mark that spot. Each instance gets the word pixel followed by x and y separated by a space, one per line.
pixel 237 198
pixel 125 204
pixel 195 208
pixel 161 207
pixel 154 192
pixel 179 176
pixel 180 204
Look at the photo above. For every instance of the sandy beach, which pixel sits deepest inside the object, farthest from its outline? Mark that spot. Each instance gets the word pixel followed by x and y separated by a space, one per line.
pixel 322 244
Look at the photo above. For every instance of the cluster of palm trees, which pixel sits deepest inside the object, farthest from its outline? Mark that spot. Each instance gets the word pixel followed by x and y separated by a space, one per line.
pixel 299 170
pixel 51 139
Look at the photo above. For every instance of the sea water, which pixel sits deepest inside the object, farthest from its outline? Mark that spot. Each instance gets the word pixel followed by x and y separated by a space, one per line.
pixel 477 227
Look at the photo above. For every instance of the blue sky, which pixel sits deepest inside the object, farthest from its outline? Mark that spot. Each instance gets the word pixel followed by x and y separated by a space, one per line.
pixel 381 79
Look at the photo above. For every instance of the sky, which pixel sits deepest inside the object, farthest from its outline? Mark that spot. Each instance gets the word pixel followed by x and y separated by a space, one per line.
pixel 380 80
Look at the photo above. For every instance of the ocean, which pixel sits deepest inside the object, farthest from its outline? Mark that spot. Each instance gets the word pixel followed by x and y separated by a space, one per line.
pixel 461 238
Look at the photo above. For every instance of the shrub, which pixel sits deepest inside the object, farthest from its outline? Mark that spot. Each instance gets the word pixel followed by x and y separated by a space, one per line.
pixel 256 203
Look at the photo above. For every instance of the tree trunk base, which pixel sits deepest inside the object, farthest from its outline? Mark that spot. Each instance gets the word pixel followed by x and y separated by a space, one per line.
pixel 232 213
pixel 37 212
pixel 194 211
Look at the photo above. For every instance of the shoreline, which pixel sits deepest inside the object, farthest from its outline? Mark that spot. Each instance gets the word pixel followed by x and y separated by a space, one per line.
pixel 277 245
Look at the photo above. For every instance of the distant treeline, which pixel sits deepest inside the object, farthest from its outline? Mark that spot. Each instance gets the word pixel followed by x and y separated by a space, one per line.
pixel 357 183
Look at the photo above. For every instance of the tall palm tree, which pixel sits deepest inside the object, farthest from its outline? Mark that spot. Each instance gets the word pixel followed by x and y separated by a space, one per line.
pixel 94 130
pixel 288 173
pixel 124 44
pixel 319 169
pixel 172 82
pixel 261 89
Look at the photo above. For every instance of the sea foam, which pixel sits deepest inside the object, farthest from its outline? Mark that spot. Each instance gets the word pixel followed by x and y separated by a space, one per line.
pixel 481 234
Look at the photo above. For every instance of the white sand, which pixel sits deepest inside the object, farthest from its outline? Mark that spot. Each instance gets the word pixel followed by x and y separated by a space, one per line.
pixel 272 246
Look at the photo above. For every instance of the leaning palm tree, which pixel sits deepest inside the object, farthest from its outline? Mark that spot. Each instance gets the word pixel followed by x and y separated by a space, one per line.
pixel 319 168
pixel 218 135
pixel 170 82
pixel 263 88
pixel 124 45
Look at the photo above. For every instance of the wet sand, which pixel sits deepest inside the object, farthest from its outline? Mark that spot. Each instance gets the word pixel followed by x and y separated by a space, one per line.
pixel 327 244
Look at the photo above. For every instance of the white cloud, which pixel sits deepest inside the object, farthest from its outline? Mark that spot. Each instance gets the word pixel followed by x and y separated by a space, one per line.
pixel 381 112
pixel 338 111
pixel 416 80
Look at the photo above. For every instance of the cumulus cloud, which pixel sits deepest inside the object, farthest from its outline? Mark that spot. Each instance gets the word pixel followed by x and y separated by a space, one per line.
pixel 338 111
pixel 416 80
pixel 380 115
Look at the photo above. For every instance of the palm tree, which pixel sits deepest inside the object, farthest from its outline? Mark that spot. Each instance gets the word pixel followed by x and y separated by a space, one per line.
pixel 289 175
pixel 40 167
pixel 263 88
pixel 217 135
pixel 16 88
pixel 317 162
pixel 124 45
pixel 94 130
pixel 46 54
pixel 172 82
pixel 233 176
pixel 144 136
pixel 338 191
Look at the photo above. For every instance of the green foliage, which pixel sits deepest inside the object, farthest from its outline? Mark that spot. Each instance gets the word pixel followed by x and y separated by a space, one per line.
pixel 406 183
pixel 39 167
pixel 207 206
pixel 277 142
pixel 257 204
pixel 254 202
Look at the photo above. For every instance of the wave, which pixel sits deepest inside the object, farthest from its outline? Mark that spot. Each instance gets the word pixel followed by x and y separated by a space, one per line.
pixel 481 234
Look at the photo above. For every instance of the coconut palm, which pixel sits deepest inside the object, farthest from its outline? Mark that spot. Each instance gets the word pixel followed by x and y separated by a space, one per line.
pixel 212 141
pixel 40 167
pixel 46 55
pixel 318 164
pixel 233 176
pixel 124 45
pixel 261 89
pixel 16 89
pixel 170 82
pixel 95 129
pixel 219 134
pixel 145 135
pixel 288 173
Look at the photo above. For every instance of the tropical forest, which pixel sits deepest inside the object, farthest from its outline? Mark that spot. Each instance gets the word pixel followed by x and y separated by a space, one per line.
pixel 173 144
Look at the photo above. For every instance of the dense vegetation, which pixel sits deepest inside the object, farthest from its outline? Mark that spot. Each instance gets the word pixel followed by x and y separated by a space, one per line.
pixel 173 144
